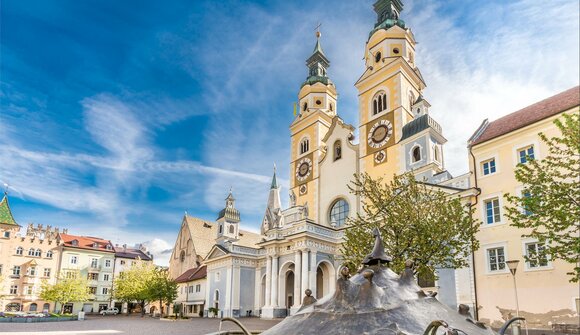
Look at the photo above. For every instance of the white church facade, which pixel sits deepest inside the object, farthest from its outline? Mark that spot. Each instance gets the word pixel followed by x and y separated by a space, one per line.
pixel 298 247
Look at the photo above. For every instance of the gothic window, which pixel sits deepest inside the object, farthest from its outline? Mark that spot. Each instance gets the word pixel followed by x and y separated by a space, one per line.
pixel 338 213
pixel 304 146
pixel 337 150
pixel 231 229
pixel 182 256
pixel 379 102
pixel 416 154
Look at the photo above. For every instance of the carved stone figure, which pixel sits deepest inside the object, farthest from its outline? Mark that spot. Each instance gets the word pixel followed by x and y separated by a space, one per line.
pixel 292 199
pixel 308 299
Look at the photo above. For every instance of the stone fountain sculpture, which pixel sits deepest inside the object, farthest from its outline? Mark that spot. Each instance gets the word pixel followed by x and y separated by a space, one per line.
pixel 377 301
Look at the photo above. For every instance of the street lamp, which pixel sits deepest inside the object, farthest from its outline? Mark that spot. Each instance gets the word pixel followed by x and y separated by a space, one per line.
pixel 513 265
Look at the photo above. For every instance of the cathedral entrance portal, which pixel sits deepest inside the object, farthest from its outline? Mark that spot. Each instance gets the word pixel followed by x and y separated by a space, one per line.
pixel 325 279
pixel 289 292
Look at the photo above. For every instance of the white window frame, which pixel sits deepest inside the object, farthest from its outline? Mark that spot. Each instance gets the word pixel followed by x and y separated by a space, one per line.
pixel 485 248
pixel 45 271
pixel 485 158
pixel 76 260
pixel 13 290
pixel 108 263
pixel 421 153
pixel 527 267
pixel 516 148
pixel 372 117
pixel 484 210
pixel 104 290
pixel 106 277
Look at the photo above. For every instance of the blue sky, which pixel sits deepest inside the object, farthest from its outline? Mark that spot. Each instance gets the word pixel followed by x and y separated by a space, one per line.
pixel 118 116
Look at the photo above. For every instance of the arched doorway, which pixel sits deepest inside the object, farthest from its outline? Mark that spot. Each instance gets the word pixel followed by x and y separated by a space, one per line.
pixel 286 285
pixel 262 301
pixel 289 293
pixel 325 279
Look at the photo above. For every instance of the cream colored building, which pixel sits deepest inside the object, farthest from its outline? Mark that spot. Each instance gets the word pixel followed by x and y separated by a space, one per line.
pixel 191 287
pixel 26 260
pixel 545 294
pixel 125 258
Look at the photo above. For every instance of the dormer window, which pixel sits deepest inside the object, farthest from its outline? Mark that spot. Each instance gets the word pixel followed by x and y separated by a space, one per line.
pixel 304 146
pixel 108 247
pixel 379 102
pixel 74 243
pixel 95 245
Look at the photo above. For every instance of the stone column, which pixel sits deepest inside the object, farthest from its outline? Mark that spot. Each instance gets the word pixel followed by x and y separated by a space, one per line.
pixel 313 273
pixel 305 273
pixel 268 281
pixel 297 279
pixel 274 287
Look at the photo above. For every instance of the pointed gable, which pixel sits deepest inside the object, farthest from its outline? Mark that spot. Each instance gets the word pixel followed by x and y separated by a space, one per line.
pixel 5 212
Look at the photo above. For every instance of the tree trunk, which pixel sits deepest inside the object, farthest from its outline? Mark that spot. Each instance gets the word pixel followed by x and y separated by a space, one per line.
pixel 160 308
pixel 142 308
pixel 62 308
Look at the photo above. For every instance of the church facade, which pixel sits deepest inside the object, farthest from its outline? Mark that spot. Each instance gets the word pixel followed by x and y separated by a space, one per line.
pixel 298 247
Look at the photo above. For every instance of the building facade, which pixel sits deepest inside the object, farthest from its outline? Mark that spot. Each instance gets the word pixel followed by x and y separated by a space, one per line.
pixel 125 258
pixel 545 294
pixel 191 287
pixel 298 247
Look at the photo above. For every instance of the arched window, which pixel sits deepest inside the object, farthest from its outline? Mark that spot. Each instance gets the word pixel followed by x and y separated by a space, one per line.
pixel 416 154
pixel 221 229
pixel 46 307
pixel 182 256
pixel 305 106
pixel 304 146
pixel 19 251
pixel 31 252
pixel 38 253
pixel 436 153
pixel 231 229
pixel 33 307
pixel 216 296
pixel 338 213
pixel 379 102
pixel 49 254
pixel 337 150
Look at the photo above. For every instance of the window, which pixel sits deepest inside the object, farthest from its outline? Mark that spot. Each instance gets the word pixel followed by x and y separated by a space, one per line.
pixel 190 289
pixel 107 263
pixel 29 290
pixel 49 254
pixel 436 153
pixel 337 150
pixel 92 290
pixel 70 274
pixel 198 288
pixel 182 255
pixel 488 167
pixel 38 253
pixel 0 269
pixel 416 154
pixel 536 256
pixel 33 307
pixel 106 277
pixel 221 230
pixel 524 154
pixel 13 289
pixel 46 307
pixel 378 57
pixel 231 229
pixel 526 195
pixel 379 102
pixel 93 276
pixel 19 251
pixel 304 146
pixel 31 252
pixel 304 107
pixel 109 247
pixel 94 263
pixel 31 271
pixel 74 243
pixel 16 270
pixel 74 259
pixel 95 245
pixel 496 259
pixel 46 272
pixel 6 234
pixel 122 262
pixel 339 213
pixel 492 214
pixel 105 290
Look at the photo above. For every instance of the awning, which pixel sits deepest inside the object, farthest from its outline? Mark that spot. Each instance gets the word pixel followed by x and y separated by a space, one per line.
pixel 195 302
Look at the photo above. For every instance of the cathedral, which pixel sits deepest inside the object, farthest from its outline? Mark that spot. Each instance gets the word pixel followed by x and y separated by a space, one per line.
pixel 266 274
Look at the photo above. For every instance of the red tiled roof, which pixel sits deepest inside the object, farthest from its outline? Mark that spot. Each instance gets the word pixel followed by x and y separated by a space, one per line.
pixel 86 242
pixel 192 274
pixel 531 114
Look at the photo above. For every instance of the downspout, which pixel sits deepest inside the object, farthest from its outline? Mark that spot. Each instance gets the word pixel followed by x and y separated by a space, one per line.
pixel 475 310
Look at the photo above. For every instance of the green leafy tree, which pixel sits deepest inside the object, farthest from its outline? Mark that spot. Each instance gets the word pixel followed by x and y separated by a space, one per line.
pixel 71 286
pixel 134 285
pixel 162 288
pixel 549 208
pixel 417 222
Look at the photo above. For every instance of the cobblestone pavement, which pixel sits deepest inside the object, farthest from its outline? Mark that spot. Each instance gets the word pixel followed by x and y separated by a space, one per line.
pixel 129 325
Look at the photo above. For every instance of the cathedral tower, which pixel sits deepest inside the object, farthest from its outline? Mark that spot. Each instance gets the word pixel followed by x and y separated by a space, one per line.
pixel 388 90
pixel 317 106
pixel 228 221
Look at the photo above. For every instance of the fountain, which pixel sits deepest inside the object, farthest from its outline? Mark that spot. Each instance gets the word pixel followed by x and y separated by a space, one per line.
pixel 378 301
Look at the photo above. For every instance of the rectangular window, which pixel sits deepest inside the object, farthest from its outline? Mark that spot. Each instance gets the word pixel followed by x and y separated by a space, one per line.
pixel 94 263
pixel 29 290
pixel 106 277
pixel 492 211
pixel 93 276
pixel 191 289
pixel 488 167
pixel 14 289
pixel 525 209
pixel 496 259
pixel 122 262
pixel 107 263
pixel 536 255
pixel 105 290
pixel 6 234
pixel 16 270
pixel 198 288
pixel 19 251
pixel 71 274
pixel 526 153
pixel 74 259
pixel 92 290
pixel 31 271
pixel 46 272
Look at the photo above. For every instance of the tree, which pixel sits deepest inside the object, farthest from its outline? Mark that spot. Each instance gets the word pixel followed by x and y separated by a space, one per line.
pixel 417 222
pixel 134 285
pixel 549 207
pixel 162 288
pixel 70 287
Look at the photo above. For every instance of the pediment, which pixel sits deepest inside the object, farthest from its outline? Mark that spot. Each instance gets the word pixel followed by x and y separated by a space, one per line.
pixel 215 252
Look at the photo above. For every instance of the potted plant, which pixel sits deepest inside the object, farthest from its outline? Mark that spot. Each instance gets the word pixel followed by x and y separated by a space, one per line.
pixel 214 311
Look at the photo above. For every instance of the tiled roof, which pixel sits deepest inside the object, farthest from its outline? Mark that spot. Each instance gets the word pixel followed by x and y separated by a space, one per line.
pixel 529 115
pixel 86 242
pixel 418 125
pixel 131 253
pixel 192 274
pixel 5 212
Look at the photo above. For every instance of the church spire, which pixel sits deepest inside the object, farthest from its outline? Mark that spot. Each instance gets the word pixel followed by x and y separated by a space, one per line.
pixel 274 184
pixel 388 12
pixel 317 64
pixel 5 212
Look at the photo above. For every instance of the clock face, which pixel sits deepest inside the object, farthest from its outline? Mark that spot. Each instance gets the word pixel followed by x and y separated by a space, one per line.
pixel 380 133
pixel 303 169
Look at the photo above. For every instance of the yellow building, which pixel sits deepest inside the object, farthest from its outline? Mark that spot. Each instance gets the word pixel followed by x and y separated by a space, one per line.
pixel 545 294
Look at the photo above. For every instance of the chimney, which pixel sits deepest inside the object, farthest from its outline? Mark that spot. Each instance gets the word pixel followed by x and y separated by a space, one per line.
pixel 124 247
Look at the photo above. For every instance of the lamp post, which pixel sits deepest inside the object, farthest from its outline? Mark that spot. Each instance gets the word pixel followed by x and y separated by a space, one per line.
pixel 513 265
